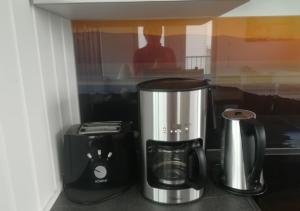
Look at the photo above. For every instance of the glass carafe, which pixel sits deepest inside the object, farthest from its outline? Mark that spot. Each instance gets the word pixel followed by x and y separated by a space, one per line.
pixel 175 165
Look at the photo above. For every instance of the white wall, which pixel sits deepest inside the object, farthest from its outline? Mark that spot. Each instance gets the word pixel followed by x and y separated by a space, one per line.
pixel 266 8
pixel 38 102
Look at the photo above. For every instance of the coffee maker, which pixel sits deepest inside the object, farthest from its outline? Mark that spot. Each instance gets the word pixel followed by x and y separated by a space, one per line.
pixel 173 115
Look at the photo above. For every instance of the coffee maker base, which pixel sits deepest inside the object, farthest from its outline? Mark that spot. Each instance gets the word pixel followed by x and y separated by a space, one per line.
pixel 173 196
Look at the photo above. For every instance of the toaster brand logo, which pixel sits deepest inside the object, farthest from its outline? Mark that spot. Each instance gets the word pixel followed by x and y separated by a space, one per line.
pixel 100 180
pixel 100 173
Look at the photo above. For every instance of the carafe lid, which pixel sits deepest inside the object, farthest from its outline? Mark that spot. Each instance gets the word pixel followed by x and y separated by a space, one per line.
pixel 238 114
pixel 173 84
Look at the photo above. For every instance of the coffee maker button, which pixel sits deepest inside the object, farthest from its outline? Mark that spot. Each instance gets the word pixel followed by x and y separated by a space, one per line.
pixel 100 172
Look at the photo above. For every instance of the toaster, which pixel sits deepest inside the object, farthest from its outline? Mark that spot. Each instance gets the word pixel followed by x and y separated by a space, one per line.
pixel 98 160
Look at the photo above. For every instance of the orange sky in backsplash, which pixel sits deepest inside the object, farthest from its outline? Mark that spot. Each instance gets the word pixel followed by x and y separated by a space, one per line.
pixel 129 26
pixel 250 38
pixel 259 28
pixel 255 28
pixel 267 41
pixel 256 46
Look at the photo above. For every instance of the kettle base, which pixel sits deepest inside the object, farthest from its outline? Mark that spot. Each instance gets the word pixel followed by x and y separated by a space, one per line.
pixel 217 178
pixel 261 189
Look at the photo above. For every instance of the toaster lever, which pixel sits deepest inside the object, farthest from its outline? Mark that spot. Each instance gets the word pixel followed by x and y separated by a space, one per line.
pixel 109 155
pixel 89 155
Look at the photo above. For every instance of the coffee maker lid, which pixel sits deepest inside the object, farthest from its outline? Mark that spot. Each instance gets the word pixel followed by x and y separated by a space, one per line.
pixel 173 84
pixel 238 114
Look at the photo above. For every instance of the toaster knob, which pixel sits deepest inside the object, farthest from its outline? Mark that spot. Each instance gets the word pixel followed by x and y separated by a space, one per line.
pixel 100 172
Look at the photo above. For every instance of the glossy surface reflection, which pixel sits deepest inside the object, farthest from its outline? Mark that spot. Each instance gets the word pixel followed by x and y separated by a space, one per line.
pixel 253 61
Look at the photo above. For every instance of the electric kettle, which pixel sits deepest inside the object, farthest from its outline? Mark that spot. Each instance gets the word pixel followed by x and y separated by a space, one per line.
pixel 242 153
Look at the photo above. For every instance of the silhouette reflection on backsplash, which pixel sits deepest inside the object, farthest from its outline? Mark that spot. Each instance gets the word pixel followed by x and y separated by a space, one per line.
pixel 137 50
pixel 154 56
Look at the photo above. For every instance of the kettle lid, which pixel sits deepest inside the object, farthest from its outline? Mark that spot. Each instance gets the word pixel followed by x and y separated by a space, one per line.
pixel 238 114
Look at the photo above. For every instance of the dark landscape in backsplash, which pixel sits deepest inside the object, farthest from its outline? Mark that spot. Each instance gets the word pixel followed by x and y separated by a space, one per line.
pixel 280 116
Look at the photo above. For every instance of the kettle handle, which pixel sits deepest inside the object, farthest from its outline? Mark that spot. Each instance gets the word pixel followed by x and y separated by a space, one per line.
pixel 197 183
pixel 260 144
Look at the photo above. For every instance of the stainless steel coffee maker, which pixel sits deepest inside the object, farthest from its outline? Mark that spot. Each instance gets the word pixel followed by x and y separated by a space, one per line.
pixel 173 114
pixel 243 147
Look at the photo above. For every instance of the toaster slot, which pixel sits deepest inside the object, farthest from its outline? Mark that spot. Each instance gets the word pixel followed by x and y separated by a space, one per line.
pixel 100 127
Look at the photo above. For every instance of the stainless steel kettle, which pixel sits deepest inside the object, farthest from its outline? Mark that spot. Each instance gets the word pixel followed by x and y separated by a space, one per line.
pixel 242 157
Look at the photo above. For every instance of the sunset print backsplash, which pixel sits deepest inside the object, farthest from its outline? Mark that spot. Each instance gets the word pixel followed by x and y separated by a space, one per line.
pixel 256 54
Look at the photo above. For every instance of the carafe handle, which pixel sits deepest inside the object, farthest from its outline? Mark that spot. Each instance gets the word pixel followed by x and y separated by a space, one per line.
pixel 260 143
pixel 198 182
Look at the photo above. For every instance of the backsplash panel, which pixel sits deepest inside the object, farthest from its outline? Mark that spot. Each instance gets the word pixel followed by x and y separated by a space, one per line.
pixel 254 62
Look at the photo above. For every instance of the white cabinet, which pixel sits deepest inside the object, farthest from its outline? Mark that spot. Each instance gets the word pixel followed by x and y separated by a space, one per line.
pixel 39 101
pixel 137 9
pixel 266 8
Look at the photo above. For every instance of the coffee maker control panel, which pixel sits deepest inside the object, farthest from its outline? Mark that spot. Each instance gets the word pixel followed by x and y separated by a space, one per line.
pixel 176 129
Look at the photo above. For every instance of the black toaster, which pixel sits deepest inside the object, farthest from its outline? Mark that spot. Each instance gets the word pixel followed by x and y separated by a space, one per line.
pixel 98 160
